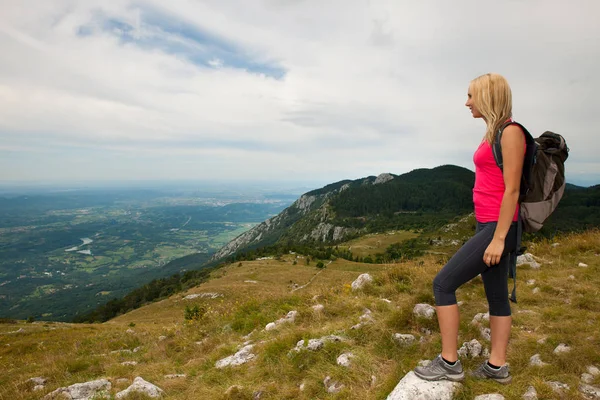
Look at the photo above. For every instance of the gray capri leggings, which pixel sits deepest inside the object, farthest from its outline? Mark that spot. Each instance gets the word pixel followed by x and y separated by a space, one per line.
pixel 467 263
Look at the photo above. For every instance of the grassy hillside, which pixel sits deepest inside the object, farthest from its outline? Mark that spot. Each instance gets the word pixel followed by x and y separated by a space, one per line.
pixel 255 293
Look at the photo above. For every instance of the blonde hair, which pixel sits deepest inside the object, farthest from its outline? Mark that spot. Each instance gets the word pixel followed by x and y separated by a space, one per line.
pixel 493 99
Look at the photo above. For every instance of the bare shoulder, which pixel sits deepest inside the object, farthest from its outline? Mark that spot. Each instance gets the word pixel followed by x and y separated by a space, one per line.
pixel 513 134
pixel 512 130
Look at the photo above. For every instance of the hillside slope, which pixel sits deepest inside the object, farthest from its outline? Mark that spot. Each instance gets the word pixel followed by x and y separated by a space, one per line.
pixel 558 303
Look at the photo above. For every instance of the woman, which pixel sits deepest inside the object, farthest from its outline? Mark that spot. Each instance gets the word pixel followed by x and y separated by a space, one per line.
pixel 495 197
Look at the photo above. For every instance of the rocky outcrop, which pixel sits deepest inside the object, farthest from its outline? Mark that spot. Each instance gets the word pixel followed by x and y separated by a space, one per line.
pixel 239 358
pixel 412 387
pixel 98 389
pixel 362 281
pixel 139 385
pixel 383 178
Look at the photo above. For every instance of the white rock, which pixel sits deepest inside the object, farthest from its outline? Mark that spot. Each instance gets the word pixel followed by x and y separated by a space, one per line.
pixel 137 349
pixel 141 386
pixel 404 339
pixel 130 331
pixel 424 310
pixel 492 396
pixel 536 361
pixel 382 178
pixel 587 378
pixel 161 338
pixel 535 290
pixel 530 394
pixel 318 308
pixel 555 244
pixel 472 349
pixel 37 380
pixel 542 340
pixel 130 363
pixel 528 259
pixel 582 265
pixel 250 281
pixel 202 295
pixel 302 386
pixel 531 282
pixel 37 388
pixel 332 386
pixel 239 358
pixel 590 392
pixel 558 387
pixel 486 333
pixel 412 387
pixel 486 353
pixel 316 344
pixel 361 281
pixel 270 326
pixel 572 277
pixel 82 391
pixel 424 363
pixel 344 359
pixel 593 370
pixel 481 317
pixel 174 376
pixel 562 348
pixel 387 301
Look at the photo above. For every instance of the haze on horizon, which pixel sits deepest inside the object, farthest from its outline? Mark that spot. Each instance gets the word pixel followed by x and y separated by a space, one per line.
pixel 282 90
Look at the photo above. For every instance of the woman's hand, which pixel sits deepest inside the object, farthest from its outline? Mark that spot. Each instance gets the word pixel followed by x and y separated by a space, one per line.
pixel 493 253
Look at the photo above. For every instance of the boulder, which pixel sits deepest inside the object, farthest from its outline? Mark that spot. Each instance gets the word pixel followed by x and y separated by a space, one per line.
pixel 361 281
pixel 528 259
pixel 139 385
pixel 589 391
pixel 530 394
pixel 239 358
pixel 424 310
pixel 562 348
pixel 344 359
pixel 412 387
pixel 97 389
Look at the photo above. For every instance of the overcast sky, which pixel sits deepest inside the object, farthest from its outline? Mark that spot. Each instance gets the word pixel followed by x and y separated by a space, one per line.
pixel 283 89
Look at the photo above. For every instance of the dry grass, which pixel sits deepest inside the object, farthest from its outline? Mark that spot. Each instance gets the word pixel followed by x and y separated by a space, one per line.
pixel 564 311
pixel 376 243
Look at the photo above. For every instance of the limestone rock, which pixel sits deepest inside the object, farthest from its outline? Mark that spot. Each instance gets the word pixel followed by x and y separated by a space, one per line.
pixel 492 396
pixel 404 339
pixel 129 363
pixel 412 387
pixel 530 282
pixel 82 391
pixel 530 394
pixel 382 178
pixel 141 386
pixel 536 361
pixel 535 290
pixel 582 265
pixel 366 318
pixel 558 387
pixel 361 281
pixel 290 317
pixel 587 378
pixel 424 310
pixel 528 259
pixel 344 359
pixel 37 380
pixel 318 307
pixel 332 386
pixel 316 344
pixel 486 333
pixel 593 370
pixel 239 358
pixel 480 318
pixel 472 349
pixel 562 348
pixel 203 295
pixel 590 392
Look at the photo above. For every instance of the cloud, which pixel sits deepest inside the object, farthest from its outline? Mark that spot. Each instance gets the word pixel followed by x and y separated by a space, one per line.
pixel 282 89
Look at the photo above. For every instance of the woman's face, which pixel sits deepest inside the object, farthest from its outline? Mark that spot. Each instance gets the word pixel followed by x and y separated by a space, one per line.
pixel 470 103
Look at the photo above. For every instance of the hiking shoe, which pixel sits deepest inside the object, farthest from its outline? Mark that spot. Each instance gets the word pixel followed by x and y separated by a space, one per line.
pixel 486 372
pixel 438 370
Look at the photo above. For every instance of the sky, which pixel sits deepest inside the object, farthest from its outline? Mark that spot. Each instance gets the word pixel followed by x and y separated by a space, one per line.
pixel 283 90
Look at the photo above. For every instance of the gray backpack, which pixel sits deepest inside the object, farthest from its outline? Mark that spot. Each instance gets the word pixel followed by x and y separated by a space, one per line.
pixel 543 180
pixel 542 184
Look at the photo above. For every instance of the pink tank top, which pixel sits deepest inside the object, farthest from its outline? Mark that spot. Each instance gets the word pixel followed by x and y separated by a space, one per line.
pixel 489 185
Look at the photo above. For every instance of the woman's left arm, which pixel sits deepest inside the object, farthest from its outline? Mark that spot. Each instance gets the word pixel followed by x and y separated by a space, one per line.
pixel 513 154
